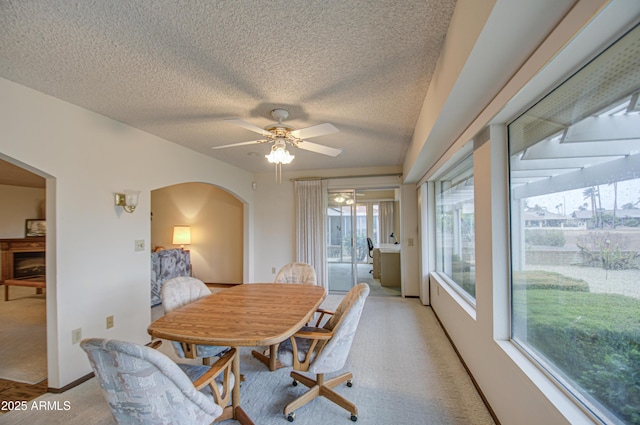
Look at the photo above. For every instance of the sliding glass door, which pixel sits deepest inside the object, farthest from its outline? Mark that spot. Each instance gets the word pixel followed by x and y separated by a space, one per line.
pixel 341 240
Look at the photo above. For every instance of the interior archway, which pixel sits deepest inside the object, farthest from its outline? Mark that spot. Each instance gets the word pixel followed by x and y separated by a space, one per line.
pixel 216 219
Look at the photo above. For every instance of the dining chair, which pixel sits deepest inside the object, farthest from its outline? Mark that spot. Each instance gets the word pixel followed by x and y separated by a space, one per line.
pixel 323 350
pixel 297 272
pixel 143 386
pixel 178 292
pixel 294 272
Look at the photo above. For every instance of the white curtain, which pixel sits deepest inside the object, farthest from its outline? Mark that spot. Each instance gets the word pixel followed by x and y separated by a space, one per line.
pixel 311 207
pixel 387 221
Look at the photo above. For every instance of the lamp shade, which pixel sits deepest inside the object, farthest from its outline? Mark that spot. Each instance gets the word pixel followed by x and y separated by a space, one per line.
pixel 279 155
pixel 181 235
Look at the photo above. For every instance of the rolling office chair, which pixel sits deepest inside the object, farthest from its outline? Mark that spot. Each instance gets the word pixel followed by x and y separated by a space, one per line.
pixel 322 350
pixel 370 246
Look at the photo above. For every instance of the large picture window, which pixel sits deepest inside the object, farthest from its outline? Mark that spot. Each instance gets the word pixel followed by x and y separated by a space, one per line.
pixel 455 227
pixel 575 233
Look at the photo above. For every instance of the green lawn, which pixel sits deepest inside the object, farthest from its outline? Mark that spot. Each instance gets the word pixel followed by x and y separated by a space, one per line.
pixel 594 339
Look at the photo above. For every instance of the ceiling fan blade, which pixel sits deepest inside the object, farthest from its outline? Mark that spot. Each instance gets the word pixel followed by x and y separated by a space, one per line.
pixel 248 126
pixel 314 147
pixel 314 131
pixel 239 144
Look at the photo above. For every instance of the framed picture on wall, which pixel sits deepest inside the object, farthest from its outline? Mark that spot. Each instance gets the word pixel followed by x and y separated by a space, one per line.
pixel 35 227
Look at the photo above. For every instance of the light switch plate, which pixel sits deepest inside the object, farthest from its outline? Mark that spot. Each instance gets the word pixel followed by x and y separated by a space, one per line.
pixel 76 336
pixel 139 245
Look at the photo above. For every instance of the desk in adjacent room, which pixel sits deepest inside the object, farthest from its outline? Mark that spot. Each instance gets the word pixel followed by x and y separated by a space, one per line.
pixel 386 264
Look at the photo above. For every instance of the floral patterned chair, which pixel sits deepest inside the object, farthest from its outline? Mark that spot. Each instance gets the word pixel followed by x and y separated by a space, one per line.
pixel 167 264
pixel 322 350
pixel 143 386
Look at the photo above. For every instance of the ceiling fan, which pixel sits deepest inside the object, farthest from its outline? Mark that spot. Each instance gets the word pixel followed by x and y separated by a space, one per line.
pixel 281 135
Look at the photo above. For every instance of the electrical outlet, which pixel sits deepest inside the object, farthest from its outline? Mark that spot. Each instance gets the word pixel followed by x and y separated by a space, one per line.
pixel 76 336
pixel 410 241
pixel 139 245
pixel 109 322
pixel 273 270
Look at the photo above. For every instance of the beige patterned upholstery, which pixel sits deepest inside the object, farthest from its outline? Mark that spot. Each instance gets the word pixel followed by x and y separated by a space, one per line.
pixel 325 350
pixel 178 292
pixel 295 272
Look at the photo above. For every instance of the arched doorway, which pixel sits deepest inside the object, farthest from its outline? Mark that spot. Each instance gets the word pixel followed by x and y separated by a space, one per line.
pixel 216 220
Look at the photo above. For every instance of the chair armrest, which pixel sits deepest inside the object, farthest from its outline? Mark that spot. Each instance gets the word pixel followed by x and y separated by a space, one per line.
pixel 154 344
pixel 218 367
pixel 323 313
pixel 314 333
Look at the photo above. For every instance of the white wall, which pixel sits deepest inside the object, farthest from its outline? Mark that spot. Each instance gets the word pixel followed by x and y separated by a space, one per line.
pixel 92 269
pixel 410 253
pixel 517 390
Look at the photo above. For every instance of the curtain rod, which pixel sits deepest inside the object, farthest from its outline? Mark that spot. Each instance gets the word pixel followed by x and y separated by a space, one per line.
pixel 345 177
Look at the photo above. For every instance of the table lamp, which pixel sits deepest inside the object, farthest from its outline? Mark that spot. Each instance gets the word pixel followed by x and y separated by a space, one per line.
pixel 181 235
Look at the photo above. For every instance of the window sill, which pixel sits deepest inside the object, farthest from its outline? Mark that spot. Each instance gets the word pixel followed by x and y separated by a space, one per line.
pixel 563 401
pixel 445 283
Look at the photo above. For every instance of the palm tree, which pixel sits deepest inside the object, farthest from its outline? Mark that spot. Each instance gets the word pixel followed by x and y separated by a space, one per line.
pixel 599 206
pixel 590 194
pixel 615 203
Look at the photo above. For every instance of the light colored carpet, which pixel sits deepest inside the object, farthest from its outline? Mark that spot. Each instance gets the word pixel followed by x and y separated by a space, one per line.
pixel 405 372
pixel 341 280
pixel 23 332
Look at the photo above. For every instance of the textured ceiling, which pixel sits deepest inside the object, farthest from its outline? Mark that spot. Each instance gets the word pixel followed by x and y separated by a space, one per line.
pixel 177 69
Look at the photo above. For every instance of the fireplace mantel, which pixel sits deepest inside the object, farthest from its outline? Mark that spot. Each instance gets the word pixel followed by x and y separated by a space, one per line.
pixel 9 247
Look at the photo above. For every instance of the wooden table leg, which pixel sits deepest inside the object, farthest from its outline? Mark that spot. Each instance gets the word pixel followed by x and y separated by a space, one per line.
pixel 273 357
pixel 238 414
pixel 235 394
pixel 242 417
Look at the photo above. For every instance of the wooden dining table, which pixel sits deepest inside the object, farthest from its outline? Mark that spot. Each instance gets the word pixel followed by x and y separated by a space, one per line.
pixel 248 315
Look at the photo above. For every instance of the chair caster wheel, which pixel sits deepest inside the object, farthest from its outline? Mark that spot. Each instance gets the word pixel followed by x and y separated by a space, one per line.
pixel 349 384
pixel 354 417
pixel 294 383
pixel 292 416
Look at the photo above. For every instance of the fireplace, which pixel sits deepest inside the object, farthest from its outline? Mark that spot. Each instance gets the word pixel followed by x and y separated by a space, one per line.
pixel 28 265
pixel 23 258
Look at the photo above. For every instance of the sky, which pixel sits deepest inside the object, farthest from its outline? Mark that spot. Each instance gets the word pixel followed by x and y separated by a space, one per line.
pixel 628 191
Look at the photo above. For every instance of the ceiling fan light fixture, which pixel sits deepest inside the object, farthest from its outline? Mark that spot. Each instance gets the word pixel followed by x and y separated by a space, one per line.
pixel 279 155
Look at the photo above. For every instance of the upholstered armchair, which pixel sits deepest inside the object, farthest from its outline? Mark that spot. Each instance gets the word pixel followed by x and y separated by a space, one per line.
pixel 178 292
pixel 294 272
pixel 143 386
pixel 323 350
pixel 165 265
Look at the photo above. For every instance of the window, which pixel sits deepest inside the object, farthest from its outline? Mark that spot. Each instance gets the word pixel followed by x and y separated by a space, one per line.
pixel 455 228
pixel 575 233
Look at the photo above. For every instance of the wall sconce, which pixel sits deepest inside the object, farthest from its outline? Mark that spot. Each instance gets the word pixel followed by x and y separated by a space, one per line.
pixel 181 235
pixel 128 200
